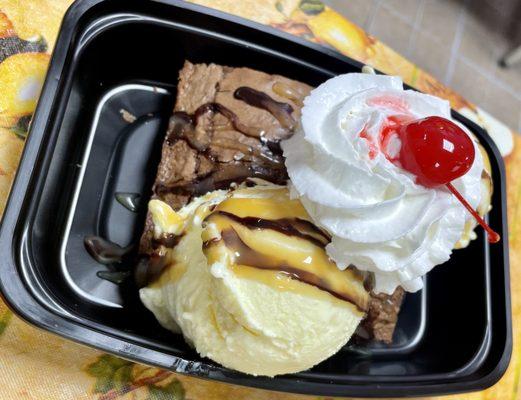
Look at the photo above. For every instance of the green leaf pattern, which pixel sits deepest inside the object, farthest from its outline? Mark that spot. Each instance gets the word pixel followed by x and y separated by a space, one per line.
pixel 5 317
pixel 312 7
pixel 172 391
pixel 115 377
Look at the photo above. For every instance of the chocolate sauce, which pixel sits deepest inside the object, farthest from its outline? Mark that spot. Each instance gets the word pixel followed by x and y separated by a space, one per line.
pixel 281 111
pixel 128 200
pixel 288 226
pixel 168 240
pixel 263 161
pixel 149 269
pixel 222 178
pixel 249 153
pixel 104 251
pixel 245 255
pixel 179 124
pixel 116 277
pixel 231 116
pixel 182 126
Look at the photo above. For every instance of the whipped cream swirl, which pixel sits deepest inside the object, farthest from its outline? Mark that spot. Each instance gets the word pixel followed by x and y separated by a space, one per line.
pixel 379 218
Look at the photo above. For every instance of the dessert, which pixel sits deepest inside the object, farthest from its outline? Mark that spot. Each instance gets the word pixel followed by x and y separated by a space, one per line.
pixel 215 154
pixel 226 126
pixel 249 283
pixel 272 236
pixel 381 217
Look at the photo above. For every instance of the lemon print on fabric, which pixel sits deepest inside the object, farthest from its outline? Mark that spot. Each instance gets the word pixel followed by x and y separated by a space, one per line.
pixel 10 150
pixel 33 19
pixel 23 64
pixel 333 29
pixel 21 80
pixel 6 27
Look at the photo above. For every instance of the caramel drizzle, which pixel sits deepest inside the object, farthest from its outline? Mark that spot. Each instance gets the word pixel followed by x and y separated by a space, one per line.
pixel 288 226
pixel 222 178
pixel 247 256
pixel 265 162
pixel 168 240
pixel 183 125
pixel 285 90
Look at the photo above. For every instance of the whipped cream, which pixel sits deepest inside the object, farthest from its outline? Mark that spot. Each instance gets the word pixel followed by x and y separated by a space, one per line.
pixel 379 218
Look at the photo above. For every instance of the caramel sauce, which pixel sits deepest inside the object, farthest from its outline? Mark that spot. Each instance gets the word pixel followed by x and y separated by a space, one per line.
pixel 245 255
pixel 270 239
pixel 288 226
pixel 167 240
pixel 223 177
pixel 285 90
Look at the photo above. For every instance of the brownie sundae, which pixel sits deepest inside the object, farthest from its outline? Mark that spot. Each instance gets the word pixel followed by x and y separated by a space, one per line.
pixel 284 218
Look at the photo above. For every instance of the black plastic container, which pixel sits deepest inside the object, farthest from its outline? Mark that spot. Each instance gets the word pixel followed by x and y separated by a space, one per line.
pixel 111 56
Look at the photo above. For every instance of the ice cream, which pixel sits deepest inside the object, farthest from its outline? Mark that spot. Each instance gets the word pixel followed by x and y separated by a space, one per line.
pixel 341 166
pixel 249 284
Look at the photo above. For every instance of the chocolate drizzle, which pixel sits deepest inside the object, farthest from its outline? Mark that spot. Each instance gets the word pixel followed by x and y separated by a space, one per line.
pixel 108 253
pixel 149 269
pixel 231 116
pixel 116 277
pixel 128 200
pixel 104 251
pixel 168 240
pixel 182 125
pixel 222 178
pixel 281 111
pixel 223 158
pixel 245 255
pixel 288 226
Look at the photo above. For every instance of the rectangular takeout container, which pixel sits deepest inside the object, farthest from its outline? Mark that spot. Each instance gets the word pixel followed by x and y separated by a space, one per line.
pixel 111 56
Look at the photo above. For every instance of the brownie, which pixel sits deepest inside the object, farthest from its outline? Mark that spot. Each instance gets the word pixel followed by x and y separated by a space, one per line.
pixel 226 127
pixel 382 316
pixel 216 138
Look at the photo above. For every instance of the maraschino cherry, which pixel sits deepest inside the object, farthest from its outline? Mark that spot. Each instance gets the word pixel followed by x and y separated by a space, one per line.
pixel 438 151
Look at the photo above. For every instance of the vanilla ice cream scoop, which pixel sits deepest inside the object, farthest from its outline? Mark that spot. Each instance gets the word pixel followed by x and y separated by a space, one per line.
pixel 249 283
pixel 340 163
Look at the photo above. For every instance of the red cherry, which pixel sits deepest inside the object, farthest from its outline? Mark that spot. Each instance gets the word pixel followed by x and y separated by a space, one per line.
pixel 438 151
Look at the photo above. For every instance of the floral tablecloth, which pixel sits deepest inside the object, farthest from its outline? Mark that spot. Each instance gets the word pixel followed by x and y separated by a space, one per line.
pixel 37 365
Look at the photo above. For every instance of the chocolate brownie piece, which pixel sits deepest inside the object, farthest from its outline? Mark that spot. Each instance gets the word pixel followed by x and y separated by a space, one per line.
pixel 382 316
pixel 220 135
pixel 226 127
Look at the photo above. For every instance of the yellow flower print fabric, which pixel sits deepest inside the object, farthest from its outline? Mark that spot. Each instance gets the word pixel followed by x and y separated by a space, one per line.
pixel 38 365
